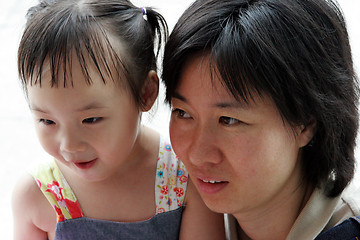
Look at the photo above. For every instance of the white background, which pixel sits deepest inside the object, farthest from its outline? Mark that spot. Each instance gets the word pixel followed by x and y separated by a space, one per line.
pixel 19 147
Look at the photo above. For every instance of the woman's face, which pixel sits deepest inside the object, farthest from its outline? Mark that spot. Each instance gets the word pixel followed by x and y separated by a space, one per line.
pixel 241 157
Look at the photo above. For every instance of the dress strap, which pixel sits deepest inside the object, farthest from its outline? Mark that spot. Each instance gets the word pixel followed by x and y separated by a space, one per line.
pixel 57 191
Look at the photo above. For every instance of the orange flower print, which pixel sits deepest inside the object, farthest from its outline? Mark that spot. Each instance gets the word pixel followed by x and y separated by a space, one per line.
pixel 179 203
pixel 179 191
pixel 164 189
pixel 183 179
pixel 161 210
pixel 172 180
pixel 169 202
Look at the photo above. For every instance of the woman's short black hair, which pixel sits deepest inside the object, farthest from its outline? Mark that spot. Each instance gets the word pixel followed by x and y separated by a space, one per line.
pixel 295 51
pixel 112 34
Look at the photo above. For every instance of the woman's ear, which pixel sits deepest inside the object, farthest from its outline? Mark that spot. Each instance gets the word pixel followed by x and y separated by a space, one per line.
pixel 150 90
pixel 307 133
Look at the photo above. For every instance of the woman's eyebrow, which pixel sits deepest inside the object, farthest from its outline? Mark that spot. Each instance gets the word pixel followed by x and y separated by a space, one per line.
pixel 179 97
pixel 225 104
pixel 230 104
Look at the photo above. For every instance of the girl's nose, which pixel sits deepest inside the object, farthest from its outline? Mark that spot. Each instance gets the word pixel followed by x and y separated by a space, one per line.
pixel 71 141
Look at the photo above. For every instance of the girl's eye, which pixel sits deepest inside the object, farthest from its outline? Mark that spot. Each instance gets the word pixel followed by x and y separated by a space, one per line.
pixel 92 120
pixel 228 121
pixel 181 113
pixel 46 121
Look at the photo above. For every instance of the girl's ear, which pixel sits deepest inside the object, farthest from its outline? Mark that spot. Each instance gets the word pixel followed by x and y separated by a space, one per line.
pixel 150 90
pixel 307 133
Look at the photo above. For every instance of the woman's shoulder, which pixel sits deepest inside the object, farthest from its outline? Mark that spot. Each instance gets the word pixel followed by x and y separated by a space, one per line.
pixel 350 201
pixel 345 221
pixel 347 206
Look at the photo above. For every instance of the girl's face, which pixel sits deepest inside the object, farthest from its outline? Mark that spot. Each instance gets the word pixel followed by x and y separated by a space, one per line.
pixel 241 157
pixel 91 129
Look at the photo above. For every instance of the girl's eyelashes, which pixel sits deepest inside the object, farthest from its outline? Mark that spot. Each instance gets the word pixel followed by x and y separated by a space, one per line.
pixel 46 121
pixel 92 120
pixel 180 113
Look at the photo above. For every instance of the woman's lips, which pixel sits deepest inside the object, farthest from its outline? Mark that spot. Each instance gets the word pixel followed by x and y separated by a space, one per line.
pixel 211 186
pixel 85 165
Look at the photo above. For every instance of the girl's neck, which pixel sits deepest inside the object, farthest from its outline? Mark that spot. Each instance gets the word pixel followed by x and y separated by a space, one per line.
pixel 275 220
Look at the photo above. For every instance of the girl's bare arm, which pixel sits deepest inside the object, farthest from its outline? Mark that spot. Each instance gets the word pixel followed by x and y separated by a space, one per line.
pixel 30 209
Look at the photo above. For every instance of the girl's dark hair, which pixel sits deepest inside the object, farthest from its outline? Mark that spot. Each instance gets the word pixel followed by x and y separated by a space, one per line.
pixel 295 51
pixel 112 34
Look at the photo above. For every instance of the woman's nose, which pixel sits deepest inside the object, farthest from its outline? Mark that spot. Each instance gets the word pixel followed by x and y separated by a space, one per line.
pixel 203 148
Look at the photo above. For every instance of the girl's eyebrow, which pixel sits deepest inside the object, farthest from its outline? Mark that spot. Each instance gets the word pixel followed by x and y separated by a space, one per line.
pixel 36 109
pixel 91 106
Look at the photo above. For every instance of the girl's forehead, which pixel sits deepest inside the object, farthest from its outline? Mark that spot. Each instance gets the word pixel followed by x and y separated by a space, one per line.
pixel 103 56
pixel 75 73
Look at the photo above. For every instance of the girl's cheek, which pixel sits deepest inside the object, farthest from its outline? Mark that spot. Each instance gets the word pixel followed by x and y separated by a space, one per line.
pixel 47 142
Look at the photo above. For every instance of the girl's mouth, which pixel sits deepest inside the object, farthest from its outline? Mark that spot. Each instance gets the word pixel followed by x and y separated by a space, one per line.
pixel 85 165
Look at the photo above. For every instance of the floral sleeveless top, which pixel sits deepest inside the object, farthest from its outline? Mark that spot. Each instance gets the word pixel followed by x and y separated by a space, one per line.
pixel 170 188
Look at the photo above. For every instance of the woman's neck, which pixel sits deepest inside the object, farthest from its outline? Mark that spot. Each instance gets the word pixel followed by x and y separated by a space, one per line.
pixel 275 220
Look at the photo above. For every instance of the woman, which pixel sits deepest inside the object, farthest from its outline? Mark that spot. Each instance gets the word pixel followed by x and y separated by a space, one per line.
pixel 264 115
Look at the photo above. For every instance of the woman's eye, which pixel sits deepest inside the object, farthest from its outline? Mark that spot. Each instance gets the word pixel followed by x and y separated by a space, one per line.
pixel 181 113
pixel 229 121
pixel 92 120
pixel 46 121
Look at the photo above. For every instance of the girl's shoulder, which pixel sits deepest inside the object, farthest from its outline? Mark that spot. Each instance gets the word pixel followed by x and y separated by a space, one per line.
pixel 31 210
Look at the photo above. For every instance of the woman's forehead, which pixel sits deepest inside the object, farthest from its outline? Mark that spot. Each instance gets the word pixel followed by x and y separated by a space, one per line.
pixel 198 79
pixel 199 72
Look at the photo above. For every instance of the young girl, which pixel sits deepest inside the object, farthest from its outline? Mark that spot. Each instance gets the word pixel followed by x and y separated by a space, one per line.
pixel 89 69
pixel 270 137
